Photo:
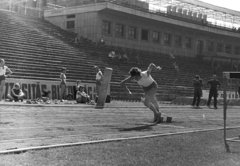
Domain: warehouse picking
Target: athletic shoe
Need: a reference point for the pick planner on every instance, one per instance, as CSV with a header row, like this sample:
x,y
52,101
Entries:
x,y
157,118
215,107
208,106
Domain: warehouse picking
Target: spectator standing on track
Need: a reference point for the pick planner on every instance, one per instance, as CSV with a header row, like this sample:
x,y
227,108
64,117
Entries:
x,y
63,84
3,70
213,92
197,84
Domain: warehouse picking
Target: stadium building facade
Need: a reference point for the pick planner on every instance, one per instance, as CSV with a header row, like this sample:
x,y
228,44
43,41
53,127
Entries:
x,y
128,27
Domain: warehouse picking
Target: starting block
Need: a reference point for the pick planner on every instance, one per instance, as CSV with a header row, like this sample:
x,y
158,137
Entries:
x,y
168,120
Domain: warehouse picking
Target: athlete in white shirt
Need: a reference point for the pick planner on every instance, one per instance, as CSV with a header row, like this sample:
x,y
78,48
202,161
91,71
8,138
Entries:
x,y
3,70
144,79
63,84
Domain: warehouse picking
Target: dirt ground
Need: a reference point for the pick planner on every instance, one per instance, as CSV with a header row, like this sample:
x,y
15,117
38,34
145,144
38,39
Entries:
x,y
23,126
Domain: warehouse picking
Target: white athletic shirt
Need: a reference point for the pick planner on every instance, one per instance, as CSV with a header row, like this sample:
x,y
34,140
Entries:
x,y
63,77
98,76
145,80
3,70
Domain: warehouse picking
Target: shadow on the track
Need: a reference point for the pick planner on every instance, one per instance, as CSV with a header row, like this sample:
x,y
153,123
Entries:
x,y
138,128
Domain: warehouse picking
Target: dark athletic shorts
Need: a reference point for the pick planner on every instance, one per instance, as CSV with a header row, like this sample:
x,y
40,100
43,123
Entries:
x,y
154,85
2,77
98,82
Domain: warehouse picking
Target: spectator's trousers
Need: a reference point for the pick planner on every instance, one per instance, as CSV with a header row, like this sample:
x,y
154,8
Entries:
x,y
212,93
197,97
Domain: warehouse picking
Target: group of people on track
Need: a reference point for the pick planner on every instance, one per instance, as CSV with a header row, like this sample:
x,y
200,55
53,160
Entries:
x,y
143,78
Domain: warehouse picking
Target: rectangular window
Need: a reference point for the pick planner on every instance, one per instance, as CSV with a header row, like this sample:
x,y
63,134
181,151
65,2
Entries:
x,y
120,30
70,24
156,37
71,16
106,27
200,46
188,42
178,41
145,34
167,39
228,48
132,33
210,46
219,47
237,50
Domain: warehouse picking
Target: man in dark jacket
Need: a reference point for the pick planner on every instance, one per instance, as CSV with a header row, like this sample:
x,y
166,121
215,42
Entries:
x,y
197,84
214,83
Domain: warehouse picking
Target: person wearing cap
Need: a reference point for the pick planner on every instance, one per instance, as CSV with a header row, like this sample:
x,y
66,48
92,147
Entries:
x,y
3,70
99,77
81,96
16,93
63,84
213,92
197,84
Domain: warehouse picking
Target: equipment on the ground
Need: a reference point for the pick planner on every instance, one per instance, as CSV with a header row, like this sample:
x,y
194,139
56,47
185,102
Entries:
x,y
104,88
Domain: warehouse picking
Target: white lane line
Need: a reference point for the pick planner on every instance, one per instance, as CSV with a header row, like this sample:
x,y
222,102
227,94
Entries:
x,y
106,140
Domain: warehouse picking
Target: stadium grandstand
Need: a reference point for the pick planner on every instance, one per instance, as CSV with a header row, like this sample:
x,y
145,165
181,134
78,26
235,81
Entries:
x,y
38,38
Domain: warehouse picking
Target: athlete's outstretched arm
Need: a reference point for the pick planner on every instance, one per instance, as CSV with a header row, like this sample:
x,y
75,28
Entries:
x,y
152,66
123,84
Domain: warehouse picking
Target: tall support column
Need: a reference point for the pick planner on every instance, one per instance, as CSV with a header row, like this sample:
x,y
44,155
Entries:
x,y
225,112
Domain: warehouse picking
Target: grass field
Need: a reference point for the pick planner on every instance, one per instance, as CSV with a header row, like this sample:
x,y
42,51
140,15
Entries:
x,y
23,127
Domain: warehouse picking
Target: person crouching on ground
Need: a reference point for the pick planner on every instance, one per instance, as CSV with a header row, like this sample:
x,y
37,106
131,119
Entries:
x,y
45,95
82,97
16,93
